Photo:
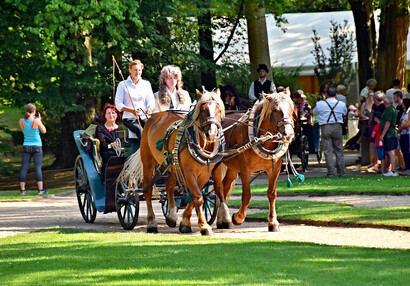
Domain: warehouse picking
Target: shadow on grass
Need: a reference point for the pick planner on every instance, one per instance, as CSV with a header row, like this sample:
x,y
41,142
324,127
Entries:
x,y
76,257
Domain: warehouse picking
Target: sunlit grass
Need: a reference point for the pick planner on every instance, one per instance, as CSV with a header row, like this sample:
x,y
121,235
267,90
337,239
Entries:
x,y
332,212
15,195
74,257
351,184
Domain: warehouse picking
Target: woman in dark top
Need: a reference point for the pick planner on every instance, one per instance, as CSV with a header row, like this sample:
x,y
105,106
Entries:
x,y
107,133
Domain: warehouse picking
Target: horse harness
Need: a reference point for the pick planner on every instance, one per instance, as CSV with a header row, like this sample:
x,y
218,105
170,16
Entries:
x,y
186,137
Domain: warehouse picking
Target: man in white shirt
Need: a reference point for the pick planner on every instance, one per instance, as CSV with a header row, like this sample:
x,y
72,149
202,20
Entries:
x,y
331,112
262,84
135,99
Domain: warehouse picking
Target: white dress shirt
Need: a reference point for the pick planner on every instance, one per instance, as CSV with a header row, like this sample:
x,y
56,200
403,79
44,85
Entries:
x,y
140,93
323,110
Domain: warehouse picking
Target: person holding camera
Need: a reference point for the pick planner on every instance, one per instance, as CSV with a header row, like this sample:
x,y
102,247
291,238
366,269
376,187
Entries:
x,y
31,125
305,115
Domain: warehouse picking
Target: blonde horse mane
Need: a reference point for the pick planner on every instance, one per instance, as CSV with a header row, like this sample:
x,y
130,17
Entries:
x,y
266,106
209,95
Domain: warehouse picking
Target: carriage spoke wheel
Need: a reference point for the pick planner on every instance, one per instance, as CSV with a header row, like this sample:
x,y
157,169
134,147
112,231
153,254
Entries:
x,y
304,156
83,191
164,204
211,203
127,204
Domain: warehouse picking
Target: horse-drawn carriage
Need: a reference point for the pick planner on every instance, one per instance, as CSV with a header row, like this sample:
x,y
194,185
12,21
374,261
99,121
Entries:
x,y
182,155
114,195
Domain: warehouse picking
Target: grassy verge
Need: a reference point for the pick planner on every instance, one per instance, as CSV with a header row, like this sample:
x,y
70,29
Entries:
x,y
15,195
332,212
68,257
351,185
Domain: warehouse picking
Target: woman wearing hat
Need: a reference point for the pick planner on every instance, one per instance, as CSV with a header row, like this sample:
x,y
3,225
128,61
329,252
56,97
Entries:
x,y
262,84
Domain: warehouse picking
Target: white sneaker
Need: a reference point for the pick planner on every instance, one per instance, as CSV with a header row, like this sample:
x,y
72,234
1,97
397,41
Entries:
x,y
390,174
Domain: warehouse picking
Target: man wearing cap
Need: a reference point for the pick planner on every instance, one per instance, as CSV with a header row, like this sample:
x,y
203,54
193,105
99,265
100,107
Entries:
x,y
331,112
389,133
341,91
262,84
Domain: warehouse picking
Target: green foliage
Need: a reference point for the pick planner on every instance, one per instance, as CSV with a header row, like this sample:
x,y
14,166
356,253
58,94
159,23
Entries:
x,y
286,77
337,67
300,6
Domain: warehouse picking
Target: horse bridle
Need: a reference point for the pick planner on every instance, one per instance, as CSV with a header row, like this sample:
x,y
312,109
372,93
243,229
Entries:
x,y
209,120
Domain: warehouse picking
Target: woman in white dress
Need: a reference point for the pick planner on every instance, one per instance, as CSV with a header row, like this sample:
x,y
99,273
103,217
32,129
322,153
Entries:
x,y
170,94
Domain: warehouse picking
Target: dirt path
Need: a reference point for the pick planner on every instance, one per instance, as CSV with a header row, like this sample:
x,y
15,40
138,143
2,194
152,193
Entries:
x,y
62,211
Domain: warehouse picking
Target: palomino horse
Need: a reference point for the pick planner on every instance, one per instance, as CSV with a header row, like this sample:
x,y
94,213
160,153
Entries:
x,y
274,114
178,146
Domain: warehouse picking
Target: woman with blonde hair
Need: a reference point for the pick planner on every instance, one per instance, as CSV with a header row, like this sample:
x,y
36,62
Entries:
x,y
170,94
31,125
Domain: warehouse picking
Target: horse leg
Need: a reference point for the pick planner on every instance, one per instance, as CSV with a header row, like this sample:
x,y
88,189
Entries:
x,y
185,225
223,220
148,169
240,215
172,215
273,224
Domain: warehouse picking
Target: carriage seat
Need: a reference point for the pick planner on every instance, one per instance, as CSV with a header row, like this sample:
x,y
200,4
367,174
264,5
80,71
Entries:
x,y
92,146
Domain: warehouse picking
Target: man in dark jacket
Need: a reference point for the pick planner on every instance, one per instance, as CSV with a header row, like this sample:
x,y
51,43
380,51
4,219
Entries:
x,y
262,84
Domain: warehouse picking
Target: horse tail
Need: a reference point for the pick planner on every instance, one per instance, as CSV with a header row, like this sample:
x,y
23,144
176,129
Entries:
x,y
132,171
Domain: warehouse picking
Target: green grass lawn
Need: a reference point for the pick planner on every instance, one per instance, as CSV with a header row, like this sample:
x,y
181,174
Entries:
x,y
75,257
9,117
333,212
15,195
351,184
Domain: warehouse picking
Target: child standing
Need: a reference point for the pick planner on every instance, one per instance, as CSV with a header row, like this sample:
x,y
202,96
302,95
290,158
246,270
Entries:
x,y
379,146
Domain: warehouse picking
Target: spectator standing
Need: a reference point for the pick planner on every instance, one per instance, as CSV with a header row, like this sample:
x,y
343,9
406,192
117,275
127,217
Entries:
x,y
170,94
31,125
370,86
262,84
389,133
331,112
352,119
135,99
377,106
398,103
341,91
305,115
379,147
404,131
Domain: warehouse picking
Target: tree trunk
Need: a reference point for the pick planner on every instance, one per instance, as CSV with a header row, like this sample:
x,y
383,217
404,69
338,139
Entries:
x,y
365,38
206,48
257,36
392,49
67,150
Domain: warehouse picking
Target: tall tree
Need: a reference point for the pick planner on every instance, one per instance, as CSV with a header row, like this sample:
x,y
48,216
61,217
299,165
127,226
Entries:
x,y
206,49
257,36
365,38
392,44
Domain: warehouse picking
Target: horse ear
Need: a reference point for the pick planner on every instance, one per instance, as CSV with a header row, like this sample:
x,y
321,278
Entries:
x,y
218,92
287,91
198,93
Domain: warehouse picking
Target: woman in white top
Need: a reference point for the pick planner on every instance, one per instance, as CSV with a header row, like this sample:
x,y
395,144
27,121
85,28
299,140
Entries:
x,y
170,94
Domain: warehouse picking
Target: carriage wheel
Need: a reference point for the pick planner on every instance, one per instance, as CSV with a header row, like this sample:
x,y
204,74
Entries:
x,y
83,191
211,203
164,204
127,204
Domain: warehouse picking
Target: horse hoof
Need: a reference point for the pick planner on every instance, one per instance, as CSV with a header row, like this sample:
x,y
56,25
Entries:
x,y
234,220
207,232
185,229
224,225
170,223
153,229
273,228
